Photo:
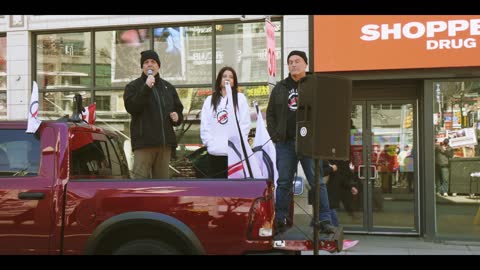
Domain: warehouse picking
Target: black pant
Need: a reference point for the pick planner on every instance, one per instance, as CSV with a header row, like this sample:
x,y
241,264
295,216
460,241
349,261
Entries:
x,y
218,166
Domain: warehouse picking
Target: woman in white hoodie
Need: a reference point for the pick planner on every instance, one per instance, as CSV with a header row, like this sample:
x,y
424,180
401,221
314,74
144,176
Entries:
x,y
215,121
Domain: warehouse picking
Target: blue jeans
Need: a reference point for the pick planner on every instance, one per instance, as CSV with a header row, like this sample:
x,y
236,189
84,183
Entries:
x,y
334,217
287,162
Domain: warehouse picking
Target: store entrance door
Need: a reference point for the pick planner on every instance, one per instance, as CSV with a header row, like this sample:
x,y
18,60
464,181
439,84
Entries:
x,y
384,159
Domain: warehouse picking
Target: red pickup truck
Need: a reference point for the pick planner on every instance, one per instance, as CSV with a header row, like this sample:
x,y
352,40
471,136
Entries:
x,y
66,190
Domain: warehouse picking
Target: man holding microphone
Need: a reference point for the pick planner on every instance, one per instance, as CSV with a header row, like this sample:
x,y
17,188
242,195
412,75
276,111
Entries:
x,y
155,108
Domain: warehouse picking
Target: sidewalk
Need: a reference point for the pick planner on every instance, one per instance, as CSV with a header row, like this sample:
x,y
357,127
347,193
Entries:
x,y
401,245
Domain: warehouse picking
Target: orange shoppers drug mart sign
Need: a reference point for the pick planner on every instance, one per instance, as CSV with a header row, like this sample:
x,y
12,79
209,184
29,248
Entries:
x,y
371,42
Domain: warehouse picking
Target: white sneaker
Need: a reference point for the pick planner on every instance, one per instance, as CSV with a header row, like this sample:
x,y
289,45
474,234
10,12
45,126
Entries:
x,y
445,194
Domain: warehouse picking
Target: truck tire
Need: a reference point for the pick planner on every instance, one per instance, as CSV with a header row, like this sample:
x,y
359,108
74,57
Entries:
x,y
145,247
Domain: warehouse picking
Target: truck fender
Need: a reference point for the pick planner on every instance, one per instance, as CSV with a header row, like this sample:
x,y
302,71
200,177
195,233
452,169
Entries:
x,y
115,223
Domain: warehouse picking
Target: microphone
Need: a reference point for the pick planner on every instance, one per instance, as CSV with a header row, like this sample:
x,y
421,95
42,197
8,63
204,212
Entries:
x,y
150,73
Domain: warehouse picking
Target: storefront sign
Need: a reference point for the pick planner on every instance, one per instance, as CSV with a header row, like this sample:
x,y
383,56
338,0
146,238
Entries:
x,y
346,43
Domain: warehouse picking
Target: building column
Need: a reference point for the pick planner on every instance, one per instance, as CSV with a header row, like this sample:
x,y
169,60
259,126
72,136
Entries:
x,y
19,86
296,37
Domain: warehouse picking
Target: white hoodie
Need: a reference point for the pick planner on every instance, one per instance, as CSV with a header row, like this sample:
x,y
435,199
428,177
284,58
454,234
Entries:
x,y
214,125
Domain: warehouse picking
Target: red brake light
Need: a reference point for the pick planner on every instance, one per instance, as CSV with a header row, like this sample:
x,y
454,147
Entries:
x,y
261,216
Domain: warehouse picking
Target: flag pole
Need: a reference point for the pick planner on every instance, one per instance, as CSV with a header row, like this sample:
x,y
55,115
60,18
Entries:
x,y
245,155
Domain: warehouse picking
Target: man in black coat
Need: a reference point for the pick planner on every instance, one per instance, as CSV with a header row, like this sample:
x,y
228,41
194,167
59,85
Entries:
x,y
155,108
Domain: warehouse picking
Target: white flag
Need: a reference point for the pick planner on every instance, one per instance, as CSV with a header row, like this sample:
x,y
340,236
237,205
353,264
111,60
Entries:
x,y
264,149
33,121
237,165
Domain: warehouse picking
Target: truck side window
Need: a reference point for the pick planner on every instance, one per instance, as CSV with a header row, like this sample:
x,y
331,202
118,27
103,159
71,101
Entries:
x,y
4,163
19,153
86,160
119,156
92,156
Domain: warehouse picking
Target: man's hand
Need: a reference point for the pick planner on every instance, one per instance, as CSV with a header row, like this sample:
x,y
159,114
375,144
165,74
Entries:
x,y
150,81
174,116
334,167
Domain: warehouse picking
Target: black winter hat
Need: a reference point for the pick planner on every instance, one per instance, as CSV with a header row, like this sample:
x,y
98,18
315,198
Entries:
x,y
302,54
149,54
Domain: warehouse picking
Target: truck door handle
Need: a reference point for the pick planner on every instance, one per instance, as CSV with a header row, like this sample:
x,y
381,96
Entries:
x,y
31,195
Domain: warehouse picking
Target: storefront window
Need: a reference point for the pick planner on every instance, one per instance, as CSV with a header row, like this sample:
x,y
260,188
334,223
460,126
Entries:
x,y
258,94
63,61
117,56
192,99
457,157
64,68
243,47
3,78
185,53
54,105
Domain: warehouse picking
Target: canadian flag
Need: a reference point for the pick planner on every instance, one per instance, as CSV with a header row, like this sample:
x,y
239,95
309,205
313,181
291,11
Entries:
x,y
33,121
88,114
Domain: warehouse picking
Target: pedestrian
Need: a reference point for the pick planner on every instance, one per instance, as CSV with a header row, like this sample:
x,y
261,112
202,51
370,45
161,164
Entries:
x,y
155,108
443,154
341,186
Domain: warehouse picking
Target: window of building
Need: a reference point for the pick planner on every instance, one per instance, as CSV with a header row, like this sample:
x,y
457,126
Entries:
x,y
243,47
117,56
63,61
457,157
3,77
185,53
190,55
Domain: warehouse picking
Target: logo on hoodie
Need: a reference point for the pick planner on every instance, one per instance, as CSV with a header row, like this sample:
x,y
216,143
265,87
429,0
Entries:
x,y
292,99
222,117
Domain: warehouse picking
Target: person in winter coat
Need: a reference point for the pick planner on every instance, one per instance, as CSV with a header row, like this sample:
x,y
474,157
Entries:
x,y
155,108
215,120
443,154
341,186
281,126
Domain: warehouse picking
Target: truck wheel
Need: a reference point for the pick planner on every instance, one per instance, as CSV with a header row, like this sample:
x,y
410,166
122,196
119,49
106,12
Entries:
x,y
145,247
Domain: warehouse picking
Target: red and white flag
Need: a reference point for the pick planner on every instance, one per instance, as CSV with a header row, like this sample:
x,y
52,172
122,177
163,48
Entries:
x,y
264,149
89,114
33,121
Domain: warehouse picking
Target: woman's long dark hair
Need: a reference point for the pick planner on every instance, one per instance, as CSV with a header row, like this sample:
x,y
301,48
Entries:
x,y
217,94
